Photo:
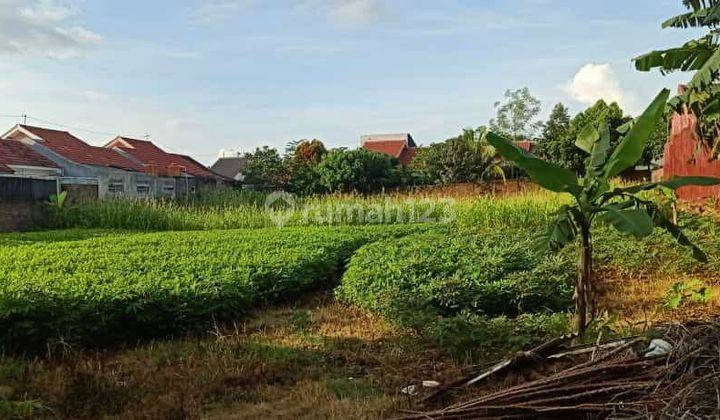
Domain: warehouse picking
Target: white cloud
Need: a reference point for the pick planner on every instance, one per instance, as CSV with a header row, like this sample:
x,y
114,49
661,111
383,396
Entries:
x,y
46,28
598,81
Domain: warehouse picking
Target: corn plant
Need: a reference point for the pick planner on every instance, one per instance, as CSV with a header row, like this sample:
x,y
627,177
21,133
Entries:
x,y
595,199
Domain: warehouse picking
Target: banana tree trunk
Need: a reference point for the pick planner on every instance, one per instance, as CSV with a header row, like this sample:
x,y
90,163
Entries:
x,y
584,294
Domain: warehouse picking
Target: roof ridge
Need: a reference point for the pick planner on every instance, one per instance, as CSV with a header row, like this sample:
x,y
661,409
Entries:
x,y
30,127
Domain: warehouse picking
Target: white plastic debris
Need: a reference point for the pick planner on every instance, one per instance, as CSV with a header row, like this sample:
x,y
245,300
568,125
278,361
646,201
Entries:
x,y
431,384
658,347
409,390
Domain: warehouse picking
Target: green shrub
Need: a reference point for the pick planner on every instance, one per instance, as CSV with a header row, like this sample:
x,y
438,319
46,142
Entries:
x,y
487,275
357,170
470,294
469,335
106,289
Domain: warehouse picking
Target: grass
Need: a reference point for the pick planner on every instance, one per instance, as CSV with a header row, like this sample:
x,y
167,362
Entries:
x,y
342,363
237,210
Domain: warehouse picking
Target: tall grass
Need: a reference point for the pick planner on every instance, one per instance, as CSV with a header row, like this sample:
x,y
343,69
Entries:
x,y
242,209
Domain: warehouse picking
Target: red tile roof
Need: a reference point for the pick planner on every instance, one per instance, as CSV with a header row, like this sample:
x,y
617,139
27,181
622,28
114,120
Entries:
x,y
525,145
17,153
392,148
71,147
5,169
395,148
158,161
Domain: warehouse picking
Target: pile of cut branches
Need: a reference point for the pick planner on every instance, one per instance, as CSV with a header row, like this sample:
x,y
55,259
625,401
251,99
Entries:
x,y
620,382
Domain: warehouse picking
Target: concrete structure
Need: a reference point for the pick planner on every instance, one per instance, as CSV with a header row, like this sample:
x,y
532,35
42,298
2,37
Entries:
x,y
178,174
400,146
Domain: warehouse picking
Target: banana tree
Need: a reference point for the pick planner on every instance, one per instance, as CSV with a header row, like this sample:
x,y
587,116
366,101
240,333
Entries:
x,y
700,55
595,199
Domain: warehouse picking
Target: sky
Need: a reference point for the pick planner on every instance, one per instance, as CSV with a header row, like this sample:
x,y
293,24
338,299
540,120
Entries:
x,y
201,77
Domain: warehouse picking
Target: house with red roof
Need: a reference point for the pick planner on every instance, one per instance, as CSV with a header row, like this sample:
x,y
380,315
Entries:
x,y
84,169
18,159
185,173
400,146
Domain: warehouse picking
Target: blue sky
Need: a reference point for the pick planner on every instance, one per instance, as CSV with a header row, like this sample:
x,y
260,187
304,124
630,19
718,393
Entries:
x,y
200,76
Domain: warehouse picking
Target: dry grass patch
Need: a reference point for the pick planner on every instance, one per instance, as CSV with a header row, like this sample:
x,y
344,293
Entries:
x,y
642,300
317,359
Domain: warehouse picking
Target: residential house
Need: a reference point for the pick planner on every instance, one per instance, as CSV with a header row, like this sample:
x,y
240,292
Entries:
x,y
177,174
26,178
400,146
527,146
85,170
230,167
18,159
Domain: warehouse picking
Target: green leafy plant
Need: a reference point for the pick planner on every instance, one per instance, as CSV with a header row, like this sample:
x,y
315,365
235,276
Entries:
x,y
687,291
58,201
595,199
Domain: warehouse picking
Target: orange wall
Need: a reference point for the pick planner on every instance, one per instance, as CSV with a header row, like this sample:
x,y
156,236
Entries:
x,y
682,158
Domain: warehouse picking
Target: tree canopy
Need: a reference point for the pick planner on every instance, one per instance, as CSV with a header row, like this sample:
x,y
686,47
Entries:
x,y
465,158
557,143
516,116
357,170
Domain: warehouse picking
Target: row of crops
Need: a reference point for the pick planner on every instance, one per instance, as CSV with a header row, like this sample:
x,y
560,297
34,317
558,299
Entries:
x,y
101,287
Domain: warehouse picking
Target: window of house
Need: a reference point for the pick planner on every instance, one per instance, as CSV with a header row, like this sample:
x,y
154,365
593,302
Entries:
x,y
143,187
116,186
169,187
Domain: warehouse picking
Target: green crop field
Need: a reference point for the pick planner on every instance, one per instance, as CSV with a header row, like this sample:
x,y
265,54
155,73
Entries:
x,y
100,287
188,287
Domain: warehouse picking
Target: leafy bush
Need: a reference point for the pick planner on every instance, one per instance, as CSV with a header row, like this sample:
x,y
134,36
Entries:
x,y
105,289
470,335
465,158
485,275
357,171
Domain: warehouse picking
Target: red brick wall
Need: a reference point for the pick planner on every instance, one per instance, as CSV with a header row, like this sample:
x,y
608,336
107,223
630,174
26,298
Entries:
x,y
682,158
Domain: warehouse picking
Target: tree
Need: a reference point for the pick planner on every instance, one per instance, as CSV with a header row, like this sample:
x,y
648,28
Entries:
x,y
554,132
309,152
301,166
264,169
558,146
656,143
702,55
515,117
594,198
465,158
357,171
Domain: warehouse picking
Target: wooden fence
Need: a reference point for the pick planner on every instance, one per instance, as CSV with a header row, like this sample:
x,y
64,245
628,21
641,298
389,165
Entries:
x,y
16,189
